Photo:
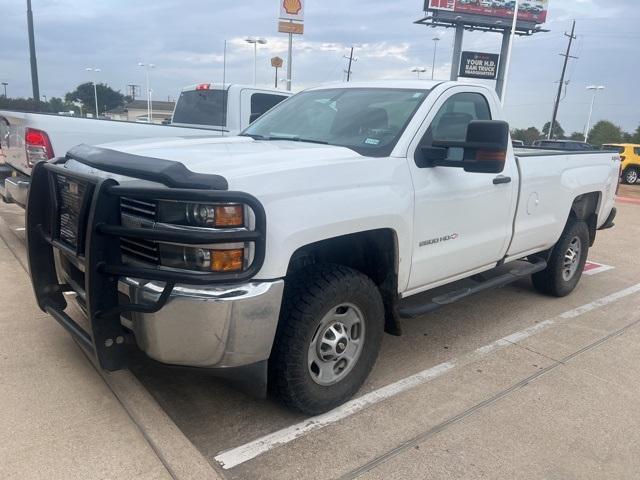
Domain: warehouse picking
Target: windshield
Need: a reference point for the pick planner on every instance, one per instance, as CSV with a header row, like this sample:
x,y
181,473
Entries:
x,y
367,120
202,107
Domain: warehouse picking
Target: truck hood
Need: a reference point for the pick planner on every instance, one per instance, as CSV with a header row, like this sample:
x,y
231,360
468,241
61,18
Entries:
x,y
242,160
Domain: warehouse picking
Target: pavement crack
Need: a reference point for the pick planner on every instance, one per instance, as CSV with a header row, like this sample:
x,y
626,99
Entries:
x,y
536,352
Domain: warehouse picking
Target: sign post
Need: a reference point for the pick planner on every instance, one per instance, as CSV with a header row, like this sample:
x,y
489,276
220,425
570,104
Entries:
x,y
292,23
277,62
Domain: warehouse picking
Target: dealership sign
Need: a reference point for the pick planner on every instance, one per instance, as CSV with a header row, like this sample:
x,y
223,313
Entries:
x,y
529,11
292,10
479,65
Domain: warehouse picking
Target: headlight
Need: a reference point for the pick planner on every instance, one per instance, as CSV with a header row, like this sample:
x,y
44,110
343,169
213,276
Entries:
x,y
220,259
202,215
232,257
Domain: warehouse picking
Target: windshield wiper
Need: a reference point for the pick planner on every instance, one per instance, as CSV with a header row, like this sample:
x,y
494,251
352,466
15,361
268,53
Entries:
x,y
255,137
295,139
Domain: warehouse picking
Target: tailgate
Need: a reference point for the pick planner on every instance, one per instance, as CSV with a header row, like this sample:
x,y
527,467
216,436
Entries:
x,y
12,141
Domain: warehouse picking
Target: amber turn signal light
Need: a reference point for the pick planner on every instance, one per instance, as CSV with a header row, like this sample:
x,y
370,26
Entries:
x,y
227,260
229,216
491,155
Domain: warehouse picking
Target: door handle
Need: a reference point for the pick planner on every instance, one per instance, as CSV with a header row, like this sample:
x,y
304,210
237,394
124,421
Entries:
x,y
501,180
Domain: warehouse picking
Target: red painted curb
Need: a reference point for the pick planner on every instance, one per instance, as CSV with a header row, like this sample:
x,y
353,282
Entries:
x,y
633,201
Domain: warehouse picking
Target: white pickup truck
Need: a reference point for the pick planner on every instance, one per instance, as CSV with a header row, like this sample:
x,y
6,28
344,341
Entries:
x,y
203,110
283,254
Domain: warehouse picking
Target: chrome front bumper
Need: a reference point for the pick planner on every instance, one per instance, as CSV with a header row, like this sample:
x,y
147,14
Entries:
x,y
208,327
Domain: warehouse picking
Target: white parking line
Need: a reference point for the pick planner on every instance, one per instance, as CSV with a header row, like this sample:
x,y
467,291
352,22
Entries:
x,y
19,229
239,455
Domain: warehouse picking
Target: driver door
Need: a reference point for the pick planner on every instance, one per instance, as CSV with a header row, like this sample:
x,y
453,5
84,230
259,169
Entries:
x,y
462,220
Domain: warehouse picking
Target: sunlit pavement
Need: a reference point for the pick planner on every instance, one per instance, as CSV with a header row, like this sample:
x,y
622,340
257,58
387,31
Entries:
x,y
507,384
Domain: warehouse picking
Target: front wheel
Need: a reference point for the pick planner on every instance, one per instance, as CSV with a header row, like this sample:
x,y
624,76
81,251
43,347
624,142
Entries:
x,y
566,263
328,339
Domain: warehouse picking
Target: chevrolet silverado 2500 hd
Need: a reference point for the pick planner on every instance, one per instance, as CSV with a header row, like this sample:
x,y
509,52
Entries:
x,y
287,251
202,110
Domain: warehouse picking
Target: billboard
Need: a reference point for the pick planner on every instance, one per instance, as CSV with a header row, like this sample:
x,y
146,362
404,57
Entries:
x,y
534,11
479,65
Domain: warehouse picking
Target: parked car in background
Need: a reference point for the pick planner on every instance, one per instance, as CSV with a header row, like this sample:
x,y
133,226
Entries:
x,y
202,110
517,143
229,108
630,155
568,145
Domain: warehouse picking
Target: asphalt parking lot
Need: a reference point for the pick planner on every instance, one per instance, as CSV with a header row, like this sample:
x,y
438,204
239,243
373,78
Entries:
x,y
507,384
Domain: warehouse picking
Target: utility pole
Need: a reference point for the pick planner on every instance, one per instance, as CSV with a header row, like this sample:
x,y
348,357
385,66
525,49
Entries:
x,y
133,89
566,56
351,60
32,54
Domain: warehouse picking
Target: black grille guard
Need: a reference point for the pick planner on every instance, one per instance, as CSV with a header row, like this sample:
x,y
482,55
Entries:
x,y
98,248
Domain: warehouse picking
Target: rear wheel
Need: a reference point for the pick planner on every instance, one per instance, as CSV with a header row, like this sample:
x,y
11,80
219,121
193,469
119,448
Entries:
x,y
630,175
566,263
328,338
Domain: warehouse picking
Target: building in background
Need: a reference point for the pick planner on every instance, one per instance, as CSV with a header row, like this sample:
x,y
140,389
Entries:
x,y
136,111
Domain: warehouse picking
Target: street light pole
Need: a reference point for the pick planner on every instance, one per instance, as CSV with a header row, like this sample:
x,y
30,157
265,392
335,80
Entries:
x,y
148,66
95,88
435,49
418,70
4,84
595,89
255,42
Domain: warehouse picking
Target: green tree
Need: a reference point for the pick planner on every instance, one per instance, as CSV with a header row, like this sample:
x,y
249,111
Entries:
x,y
21,104
108,98
635,138
577,136
605,132
558,131
527,135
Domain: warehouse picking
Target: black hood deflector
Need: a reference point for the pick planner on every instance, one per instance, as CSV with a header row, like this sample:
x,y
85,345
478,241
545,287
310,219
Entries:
x,y
170,173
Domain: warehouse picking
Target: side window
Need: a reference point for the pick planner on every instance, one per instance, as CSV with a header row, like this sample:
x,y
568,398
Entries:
x,y
636,150
263,102
452,120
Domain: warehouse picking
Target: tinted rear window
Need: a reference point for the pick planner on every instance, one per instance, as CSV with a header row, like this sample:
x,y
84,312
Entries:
x,y
614,148
202,107
263,102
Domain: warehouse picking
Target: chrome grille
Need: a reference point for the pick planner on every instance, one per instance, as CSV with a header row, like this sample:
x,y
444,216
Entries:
x,y
70,197
138,213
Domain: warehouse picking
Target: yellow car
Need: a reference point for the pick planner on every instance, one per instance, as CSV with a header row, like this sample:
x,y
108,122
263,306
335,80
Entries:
x,y
630,155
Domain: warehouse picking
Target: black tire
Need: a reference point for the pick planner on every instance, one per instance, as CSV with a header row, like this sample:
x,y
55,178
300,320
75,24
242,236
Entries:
x,y
309,296
553,280
630,176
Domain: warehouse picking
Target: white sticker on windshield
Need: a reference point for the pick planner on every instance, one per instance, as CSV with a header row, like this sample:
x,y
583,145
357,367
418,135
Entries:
x,y
372,141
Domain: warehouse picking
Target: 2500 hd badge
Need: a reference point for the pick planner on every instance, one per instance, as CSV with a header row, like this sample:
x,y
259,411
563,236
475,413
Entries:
x,y
433,241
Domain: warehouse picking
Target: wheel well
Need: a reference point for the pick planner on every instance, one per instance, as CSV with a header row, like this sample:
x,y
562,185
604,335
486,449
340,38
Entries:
x,y
585,208
373,253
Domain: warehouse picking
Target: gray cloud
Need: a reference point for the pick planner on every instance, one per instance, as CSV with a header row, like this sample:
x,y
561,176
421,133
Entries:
x,y
185,40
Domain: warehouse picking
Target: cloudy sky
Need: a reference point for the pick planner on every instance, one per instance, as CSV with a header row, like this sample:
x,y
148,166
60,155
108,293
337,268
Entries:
x,y
185,38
